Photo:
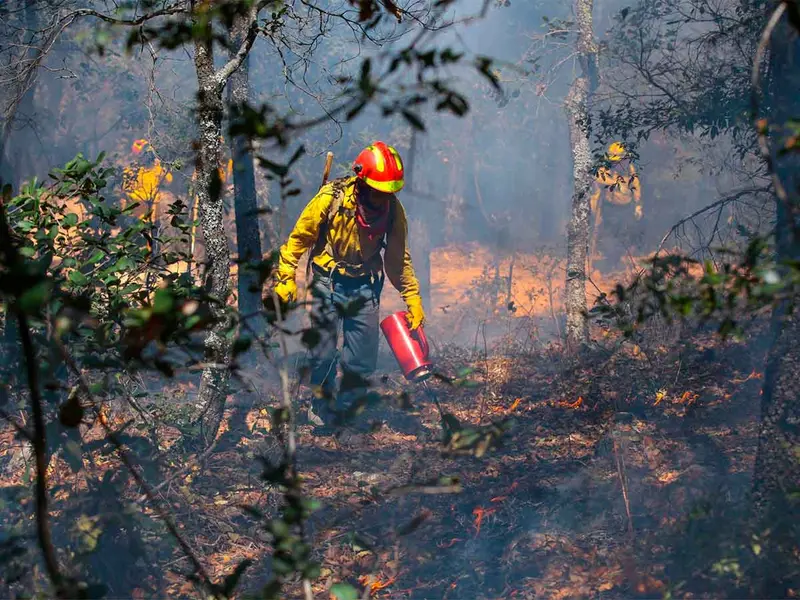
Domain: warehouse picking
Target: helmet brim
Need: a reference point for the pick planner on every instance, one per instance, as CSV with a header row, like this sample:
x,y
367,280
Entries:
x,y
388,187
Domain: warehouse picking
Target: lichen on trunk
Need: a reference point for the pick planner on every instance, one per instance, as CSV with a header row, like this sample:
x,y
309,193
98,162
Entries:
x,y
577,328
576,106
216,374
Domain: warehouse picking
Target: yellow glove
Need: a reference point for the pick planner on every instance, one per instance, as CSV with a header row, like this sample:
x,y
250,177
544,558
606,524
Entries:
x,y
286,290
415,315
638,212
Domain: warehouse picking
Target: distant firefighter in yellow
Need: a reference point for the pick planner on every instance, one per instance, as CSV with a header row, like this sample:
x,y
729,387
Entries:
x,y
146,181
614,190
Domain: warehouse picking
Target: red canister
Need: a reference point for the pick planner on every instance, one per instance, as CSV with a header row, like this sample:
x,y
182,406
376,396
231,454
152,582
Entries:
x,y
410,348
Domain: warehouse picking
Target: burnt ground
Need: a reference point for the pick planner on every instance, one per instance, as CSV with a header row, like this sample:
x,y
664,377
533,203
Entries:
x,y
626,474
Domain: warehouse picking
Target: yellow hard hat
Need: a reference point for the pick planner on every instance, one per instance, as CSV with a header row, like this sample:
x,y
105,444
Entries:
x,y
616,152
139,146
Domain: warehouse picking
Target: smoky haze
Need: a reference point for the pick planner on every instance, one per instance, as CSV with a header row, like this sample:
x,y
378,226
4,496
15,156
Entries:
x,y
527,468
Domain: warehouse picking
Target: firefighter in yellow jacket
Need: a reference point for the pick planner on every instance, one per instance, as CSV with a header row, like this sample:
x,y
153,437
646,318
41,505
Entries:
x,y
145,183
615,189
345,227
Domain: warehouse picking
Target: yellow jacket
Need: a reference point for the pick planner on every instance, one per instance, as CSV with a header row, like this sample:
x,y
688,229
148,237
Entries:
x,y
626,187
349,244
143,185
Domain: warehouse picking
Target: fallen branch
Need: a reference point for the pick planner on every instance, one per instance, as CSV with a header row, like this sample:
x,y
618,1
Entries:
x,y
19,428
624,485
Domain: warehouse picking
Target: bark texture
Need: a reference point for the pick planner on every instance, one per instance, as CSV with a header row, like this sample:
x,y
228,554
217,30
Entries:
x,y
245,200
777,469
577,109
214,380
421,255
213,388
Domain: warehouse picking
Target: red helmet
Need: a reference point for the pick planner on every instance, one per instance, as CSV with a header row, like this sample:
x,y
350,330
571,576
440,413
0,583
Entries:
x,y
380,167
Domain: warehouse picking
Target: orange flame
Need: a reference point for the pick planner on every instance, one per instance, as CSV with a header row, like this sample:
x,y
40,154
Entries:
x,y
505,496
374,584
479,513
754,375
572,405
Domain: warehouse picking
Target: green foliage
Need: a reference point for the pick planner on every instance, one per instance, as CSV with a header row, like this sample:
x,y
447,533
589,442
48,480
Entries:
x,y
679,287
344,591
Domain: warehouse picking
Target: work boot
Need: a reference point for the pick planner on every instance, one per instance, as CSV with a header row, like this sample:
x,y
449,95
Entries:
x,y
322,417
314,418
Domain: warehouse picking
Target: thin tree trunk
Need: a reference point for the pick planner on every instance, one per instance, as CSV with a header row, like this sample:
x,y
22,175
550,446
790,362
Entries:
x,y
420,238
421,255
577,109
216,375
245,201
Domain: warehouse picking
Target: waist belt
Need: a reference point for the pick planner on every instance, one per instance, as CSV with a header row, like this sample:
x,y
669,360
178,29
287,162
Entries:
x,y
334,272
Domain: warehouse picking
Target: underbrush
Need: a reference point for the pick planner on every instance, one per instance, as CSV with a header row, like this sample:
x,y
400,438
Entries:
x,y
625,474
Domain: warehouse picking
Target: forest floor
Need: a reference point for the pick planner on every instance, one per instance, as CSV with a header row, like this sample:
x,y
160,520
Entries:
x,y
623,476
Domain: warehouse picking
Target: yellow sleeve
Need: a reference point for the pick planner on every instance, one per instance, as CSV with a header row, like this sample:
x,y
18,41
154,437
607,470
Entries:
x,y
304,234
397,258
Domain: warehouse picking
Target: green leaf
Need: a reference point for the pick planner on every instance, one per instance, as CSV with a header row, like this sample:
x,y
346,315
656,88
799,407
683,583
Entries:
x,y
33,298
78,278
163,301
96,257
123,264
70,220
73,455
344,591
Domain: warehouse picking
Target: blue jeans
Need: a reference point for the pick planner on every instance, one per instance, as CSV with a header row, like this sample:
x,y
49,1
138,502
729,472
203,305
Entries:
x,y
354,306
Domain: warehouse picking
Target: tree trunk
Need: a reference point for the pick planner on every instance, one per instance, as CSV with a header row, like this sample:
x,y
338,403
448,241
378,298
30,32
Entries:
x,y
245,200
216,375
420,243
419,233
577,109
777,468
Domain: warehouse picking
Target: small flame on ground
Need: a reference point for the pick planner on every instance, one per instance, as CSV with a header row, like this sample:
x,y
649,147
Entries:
x,y
754,375
572,405
479,513
374,584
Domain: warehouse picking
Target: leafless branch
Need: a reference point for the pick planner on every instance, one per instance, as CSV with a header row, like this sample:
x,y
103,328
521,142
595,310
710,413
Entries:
x,y
713,206
222,75
173,9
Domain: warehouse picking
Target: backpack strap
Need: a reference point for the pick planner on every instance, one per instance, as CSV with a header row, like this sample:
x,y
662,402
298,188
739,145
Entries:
x,y
337,191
